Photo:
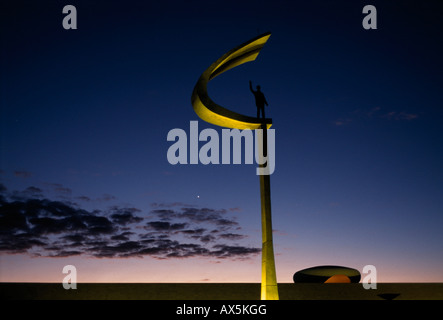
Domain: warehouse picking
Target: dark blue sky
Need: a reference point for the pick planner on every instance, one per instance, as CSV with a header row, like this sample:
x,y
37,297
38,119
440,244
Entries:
x,y
357,115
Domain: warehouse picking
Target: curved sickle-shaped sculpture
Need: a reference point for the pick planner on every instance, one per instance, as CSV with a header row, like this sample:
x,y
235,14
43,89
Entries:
x,y
213,113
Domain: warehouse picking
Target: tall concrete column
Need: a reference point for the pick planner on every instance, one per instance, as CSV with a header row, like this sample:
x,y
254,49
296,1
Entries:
x,y
269,289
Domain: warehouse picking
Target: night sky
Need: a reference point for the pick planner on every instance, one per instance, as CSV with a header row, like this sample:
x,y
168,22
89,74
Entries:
x,y
85,115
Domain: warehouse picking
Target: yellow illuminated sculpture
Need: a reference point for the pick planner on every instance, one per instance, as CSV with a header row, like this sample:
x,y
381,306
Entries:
x,y
213,113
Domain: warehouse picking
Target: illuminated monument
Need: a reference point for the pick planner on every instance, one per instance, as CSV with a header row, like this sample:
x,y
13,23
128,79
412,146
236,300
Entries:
x,y
213,113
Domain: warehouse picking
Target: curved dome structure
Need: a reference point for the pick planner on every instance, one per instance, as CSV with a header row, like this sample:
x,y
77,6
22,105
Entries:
x,y
327,274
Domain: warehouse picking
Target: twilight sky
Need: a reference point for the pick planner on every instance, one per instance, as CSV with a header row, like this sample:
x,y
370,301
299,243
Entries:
x,y
85,114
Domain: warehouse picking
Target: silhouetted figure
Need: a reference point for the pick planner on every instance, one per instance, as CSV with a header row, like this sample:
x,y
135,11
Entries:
x,y
260,100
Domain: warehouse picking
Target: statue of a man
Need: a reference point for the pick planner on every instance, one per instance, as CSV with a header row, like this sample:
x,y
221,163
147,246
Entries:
x,y
260,100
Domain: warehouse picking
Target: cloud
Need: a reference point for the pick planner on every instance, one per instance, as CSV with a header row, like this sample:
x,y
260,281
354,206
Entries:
x,y
62,190
196,215
205,215
22,174
83,198
59,189
169,204
98,225
33,191
232,236
399,116
205,238
123,236
38,226
166,226
373,110
375,113
199,231
75,239
224,251
124,216
342,122
107,197
65,253
30,192
164,214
